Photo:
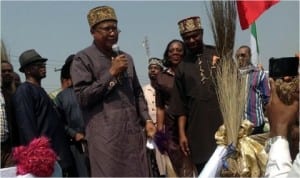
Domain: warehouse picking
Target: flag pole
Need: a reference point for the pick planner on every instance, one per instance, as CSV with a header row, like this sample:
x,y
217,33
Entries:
x,y
145,44
254,45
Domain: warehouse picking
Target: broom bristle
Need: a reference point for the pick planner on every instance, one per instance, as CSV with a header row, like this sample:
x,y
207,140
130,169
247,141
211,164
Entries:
x,y
222,17
230,88
232,97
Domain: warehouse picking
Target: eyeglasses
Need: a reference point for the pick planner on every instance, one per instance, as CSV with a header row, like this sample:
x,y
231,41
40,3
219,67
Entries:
x,y
109,29
40,65
241,55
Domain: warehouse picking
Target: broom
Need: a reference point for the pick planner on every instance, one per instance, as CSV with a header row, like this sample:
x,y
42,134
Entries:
x,y
231,93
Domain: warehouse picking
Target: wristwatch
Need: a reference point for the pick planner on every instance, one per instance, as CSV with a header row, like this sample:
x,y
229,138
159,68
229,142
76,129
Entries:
x,y
271,141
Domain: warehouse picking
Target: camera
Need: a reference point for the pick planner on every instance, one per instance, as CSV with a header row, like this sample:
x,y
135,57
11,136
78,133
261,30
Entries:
x,y
284,72
281,67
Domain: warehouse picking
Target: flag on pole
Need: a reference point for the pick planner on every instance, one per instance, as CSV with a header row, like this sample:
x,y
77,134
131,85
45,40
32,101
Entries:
x,y
254,45
249,10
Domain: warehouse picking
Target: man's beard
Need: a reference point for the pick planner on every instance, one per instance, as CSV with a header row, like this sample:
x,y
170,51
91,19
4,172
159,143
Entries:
x,y
152,77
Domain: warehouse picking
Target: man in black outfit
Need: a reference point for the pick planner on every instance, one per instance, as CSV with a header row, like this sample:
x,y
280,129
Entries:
x,y
35,112
194,100
72,116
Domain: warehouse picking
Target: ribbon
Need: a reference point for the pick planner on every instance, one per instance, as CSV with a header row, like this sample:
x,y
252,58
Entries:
x,y
247,159
230,151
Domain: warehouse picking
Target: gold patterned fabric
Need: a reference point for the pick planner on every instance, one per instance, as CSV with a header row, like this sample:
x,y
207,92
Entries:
x,y
203,77
100,14
189,24
247,159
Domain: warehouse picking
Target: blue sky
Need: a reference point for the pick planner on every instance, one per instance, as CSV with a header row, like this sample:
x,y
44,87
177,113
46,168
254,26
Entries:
x,y
57,29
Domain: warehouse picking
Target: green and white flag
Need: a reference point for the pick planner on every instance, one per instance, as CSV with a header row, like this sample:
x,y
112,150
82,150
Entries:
x,y
254,45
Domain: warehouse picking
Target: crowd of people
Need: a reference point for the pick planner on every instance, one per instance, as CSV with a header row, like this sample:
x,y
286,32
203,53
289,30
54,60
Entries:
x,y
102,120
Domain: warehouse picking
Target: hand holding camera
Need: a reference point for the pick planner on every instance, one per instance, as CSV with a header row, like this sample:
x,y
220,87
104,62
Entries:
x,y
284,71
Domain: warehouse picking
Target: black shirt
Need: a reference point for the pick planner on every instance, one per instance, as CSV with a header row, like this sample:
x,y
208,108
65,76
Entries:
x,y
194,96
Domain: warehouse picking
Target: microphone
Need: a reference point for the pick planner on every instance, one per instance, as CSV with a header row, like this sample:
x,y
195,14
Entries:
x,y
116,50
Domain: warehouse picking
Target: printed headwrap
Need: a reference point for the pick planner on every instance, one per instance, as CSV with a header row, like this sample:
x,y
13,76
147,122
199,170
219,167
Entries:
x,y
155,61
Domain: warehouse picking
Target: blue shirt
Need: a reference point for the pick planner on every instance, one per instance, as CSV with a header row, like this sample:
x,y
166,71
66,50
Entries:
x,y
258,94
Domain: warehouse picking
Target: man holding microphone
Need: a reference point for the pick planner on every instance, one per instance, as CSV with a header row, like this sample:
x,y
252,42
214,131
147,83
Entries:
x,y
112,102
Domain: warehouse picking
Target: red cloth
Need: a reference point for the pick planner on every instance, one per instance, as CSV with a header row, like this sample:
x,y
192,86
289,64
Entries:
x,y
249,11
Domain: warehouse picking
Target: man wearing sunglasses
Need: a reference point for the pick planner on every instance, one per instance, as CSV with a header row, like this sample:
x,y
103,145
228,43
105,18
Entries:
x,y
258,92
194,101
35,113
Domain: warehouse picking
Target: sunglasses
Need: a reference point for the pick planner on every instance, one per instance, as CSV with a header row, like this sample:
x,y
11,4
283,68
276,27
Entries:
x,y
241,55
39,64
